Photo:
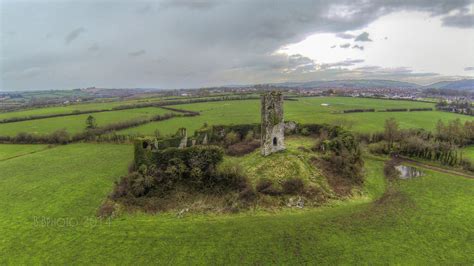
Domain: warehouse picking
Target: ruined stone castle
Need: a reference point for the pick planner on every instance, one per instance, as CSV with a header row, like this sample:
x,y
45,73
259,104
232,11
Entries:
x,y
272,131
273,126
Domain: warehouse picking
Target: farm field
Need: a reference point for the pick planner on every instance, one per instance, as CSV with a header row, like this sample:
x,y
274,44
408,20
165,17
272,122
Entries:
x,y
60,109
305,110
106,105
67,109
76,123
469,152
49,200
8,151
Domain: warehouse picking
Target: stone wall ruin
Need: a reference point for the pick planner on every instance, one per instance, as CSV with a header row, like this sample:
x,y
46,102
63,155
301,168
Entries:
x,y
273,126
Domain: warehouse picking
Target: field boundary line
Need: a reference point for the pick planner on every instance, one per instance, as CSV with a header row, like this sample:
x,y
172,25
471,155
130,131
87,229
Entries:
x,y
28,153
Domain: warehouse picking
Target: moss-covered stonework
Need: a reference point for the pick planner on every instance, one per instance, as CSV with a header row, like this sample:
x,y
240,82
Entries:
x,y
273,126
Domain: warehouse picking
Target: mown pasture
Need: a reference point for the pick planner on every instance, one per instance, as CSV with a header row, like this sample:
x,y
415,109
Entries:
x,y
91,106
304,110
49,200
77,123
66,109
8,151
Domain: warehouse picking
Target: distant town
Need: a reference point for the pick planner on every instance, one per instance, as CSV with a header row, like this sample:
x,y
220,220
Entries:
x,y
448,94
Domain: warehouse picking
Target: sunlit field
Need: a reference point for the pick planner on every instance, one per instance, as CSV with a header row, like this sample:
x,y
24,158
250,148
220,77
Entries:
x,y
304,110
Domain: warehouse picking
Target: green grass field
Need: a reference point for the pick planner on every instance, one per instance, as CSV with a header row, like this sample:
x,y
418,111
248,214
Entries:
x,y
305,110
8,151
60,109
49,200
76,123
97,105
469,153
67,109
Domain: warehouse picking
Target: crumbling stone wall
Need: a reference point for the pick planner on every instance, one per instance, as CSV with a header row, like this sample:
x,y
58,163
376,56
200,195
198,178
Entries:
x,y
273,126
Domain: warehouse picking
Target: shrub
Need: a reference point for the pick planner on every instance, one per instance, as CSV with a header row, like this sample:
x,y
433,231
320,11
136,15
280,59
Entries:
x,y
305,131
346,165
247,195
314,192
379,148
396,110
229,177
389,170
231,138
59,136
293,186
107,209
140,184
358,110
265,186
249,137
242,148
467,165
121,188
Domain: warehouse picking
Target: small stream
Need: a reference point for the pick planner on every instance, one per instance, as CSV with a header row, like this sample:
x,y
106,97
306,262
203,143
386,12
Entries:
x,y
407,172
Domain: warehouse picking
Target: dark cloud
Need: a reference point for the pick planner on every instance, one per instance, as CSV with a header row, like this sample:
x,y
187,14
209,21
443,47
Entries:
x,y
73,35
459,21
345,46
333,46
360,47
363,37
205,42
137,53
469,69
343,35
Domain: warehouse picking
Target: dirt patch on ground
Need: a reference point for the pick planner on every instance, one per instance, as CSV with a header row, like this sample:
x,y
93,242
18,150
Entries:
x,y
242,148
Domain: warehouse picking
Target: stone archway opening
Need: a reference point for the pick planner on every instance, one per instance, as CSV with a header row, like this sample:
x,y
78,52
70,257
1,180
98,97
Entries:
x,y
275,141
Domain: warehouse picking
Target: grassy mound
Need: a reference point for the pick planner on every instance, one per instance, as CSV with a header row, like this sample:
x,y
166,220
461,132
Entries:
x,y
294,162
290,178
298,161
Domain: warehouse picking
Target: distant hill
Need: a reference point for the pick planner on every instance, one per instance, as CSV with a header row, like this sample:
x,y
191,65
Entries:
x,y
364,83
464,84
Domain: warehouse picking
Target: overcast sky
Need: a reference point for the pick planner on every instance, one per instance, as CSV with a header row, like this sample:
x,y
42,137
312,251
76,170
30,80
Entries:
x,y
179,44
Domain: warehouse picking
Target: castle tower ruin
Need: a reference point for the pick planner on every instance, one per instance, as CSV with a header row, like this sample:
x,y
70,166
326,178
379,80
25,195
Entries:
x,y
273,127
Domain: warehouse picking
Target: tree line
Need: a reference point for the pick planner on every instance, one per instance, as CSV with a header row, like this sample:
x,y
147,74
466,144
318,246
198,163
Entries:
x,y
92,132
443,144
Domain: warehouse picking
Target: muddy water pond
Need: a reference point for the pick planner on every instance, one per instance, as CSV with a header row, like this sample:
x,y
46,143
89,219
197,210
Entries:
x,y
407,172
